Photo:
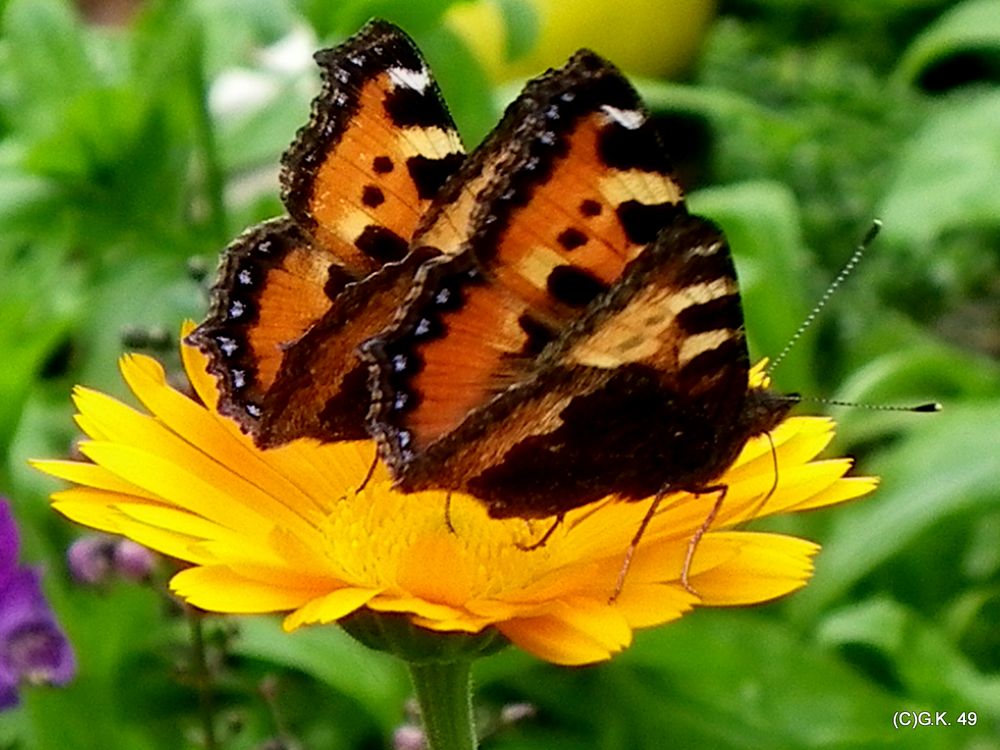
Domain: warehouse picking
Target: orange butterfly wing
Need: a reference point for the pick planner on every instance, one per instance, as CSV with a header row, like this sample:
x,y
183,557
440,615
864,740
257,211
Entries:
x,y
356,182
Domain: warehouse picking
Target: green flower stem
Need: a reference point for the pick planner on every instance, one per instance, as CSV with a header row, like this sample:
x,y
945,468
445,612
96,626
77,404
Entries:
x,y
202,678
439,665
444,692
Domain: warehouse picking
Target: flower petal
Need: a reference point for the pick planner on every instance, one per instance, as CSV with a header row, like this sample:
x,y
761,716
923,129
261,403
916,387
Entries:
x,y
647,604
91,475
761,567
218,588
573,632
329,608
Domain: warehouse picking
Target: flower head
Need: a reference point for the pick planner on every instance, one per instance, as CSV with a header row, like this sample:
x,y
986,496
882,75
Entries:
x,y
289,530
33,648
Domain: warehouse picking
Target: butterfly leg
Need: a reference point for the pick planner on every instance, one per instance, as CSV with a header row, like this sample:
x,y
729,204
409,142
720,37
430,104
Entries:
x,y
774,484
545,537
447,514
370,473
627,562
693,542
368,476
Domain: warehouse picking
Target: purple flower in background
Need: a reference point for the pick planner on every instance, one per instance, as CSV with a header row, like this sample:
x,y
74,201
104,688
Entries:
x,y
33,648
90,558
95,559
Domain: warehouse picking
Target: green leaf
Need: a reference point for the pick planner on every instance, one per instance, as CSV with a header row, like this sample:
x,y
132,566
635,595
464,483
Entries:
x,y
90,709
947,175
908,373
719,679
522,27
47,58
466,87
36,305
971,27
349,16
924,656
741,680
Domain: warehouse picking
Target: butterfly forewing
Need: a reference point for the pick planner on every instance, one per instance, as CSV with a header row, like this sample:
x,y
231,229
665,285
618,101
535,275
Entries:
x,y
580,187
378,147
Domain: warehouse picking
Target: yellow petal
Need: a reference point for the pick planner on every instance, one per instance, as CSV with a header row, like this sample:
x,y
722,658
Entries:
x,y
646,604
196,367
217,588
580,633
91,475
762,567
329,608
847,488
188,480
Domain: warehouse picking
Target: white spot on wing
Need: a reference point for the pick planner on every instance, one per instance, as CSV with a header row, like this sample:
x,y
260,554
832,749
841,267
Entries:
x,y
418,80
627,118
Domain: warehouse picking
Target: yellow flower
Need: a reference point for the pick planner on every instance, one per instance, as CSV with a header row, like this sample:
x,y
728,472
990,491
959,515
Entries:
x,y
285,530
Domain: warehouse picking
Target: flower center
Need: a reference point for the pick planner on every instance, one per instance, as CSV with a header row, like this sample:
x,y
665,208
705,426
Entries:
x,y
435,548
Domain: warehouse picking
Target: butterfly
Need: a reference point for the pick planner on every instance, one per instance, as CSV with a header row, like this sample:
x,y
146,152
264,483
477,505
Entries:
x,y
539,324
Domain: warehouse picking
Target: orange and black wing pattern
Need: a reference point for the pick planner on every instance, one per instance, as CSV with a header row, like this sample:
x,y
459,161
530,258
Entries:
x,y
588,340
356,183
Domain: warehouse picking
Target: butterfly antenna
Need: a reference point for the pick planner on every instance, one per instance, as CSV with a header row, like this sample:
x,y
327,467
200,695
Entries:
x,y
846,271
929,407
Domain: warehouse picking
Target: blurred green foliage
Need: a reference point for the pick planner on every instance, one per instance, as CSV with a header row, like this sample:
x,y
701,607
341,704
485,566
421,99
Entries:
x,y
126,151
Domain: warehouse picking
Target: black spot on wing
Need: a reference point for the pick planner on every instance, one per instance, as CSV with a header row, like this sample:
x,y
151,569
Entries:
x,y
538,335
643,221
429,174
589,207
574,286
572,238
372,196
409,108
720,313
336,279
632,148
382,165
707,365
380,244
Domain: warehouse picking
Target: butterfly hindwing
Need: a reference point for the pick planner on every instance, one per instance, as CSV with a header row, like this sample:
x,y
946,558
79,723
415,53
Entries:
x,y
323,388
356,182
272,286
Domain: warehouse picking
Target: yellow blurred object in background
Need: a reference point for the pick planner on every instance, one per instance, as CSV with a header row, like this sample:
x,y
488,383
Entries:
x,y
644,37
